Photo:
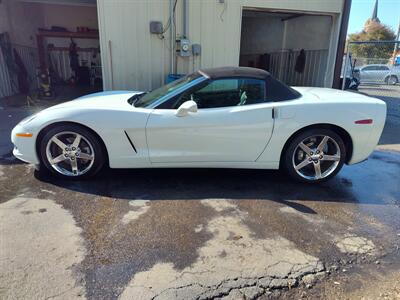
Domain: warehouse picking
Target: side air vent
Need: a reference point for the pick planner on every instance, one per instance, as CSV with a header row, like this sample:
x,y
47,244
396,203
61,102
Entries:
x,y
130,142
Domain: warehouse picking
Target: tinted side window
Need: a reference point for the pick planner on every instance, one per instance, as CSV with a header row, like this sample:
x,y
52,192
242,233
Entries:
x,y
370,68
278,91
222,93
254,91
220,86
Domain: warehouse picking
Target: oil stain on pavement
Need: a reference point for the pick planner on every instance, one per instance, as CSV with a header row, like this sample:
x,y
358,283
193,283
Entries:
x,y
193,234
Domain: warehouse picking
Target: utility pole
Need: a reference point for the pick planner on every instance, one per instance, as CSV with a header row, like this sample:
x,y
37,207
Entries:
x,y
396,45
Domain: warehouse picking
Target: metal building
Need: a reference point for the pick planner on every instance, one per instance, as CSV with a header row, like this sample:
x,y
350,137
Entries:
x,y
136,44
195,34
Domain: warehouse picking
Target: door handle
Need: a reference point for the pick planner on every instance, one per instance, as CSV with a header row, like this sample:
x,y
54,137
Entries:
x,y
274,113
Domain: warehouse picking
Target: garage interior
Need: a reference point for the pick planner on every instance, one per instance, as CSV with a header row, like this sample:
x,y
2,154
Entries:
x,y
49,50
293,47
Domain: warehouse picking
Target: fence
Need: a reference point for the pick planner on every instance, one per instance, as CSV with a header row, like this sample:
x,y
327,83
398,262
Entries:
x,y
282,66
373,65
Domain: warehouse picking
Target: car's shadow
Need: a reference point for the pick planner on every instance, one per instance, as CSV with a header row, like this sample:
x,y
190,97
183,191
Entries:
x,y
9,159
192,184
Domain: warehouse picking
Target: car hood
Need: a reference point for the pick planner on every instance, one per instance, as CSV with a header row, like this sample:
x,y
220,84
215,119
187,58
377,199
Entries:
x,y
102,100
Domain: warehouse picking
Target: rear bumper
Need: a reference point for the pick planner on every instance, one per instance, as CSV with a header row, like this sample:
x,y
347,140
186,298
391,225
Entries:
x,y
368,139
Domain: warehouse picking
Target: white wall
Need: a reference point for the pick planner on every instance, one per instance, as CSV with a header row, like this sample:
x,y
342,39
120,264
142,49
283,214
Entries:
x,y
268,34
271,33
261,35
308,32
4,20
139,60
21,21
70,17
132,58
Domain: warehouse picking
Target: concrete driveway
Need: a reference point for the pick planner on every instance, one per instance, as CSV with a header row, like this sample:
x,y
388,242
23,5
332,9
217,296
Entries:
x,y
201,234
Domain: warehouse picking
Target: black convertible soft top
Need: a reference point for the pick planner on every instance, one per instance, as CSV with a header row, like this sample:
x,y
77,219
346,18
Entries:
x,y
223,72
276,90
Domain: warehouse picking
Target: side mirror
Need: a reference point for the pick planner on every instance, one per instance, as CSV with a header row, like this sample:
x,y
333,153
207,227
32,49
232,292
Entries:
x,y
186,108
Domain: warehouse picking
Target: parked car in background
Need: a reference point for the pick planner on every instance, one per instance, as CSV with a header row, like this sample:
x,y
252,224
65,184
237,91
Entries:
x,y
378,73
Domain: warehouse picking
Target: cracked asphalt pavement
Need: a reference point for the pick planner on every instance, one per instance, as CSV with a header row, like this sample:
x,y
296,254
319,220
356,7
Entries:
x,y
200,234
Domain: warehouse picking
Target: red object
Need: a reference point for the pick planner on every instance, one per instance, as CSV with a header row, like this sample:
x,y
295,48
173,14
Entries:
x,y
366,121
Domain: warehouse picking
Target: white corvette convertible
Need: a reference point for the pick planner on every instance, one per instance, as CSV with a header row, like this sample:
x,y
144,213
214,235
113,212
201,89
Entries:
x,y
229,117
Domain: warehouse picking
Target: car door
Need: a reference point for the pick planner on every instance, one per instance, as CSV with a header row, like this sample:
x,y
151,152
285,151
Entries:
x,y
233,123
376,73
368,74
383,73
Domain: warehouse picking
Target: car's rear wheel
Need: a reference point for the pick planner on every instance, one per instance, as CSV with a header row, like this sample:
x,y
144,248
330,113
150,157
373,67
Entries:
x,y
392,80
71,151
314,155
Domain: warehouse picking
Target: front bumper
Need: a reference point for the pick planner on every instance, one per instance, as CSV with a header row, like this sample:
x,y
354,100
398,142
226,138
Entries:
x,y
24,147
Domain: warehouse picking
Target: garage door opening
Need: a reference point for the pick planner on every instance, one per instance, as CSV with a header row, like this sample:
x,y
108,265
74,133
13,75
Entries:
x,y
49,51
293,47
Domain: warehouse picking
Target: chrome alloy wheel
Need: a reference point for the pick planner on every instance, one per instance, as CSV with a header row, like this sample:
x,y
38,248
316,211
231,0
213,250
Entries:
x,y
316,157
70,153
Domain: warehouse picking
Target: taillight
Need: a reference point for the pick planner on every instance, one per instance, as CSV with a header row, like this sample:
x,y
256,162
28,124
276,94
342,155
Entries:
x,y
366,121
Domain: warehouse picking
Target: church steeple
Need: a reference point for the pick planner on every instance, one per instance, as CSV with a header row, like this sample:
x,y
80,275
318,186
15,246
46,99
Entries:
x,y
371,22
374,16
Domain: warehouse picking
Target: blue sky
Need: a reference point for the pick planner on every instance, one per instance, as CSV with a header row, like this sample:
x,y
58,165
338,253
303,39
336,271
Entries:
x,y
361,10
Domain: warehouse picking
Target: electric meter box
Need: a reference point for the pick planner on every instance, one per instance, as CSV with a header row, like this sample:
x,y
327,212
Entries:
x,y
184,47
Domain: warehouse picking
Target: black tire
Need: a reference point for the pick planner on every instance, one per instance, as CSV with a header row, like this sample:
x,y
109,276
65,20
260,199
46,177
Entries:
x,y
289,154
396,80
98,151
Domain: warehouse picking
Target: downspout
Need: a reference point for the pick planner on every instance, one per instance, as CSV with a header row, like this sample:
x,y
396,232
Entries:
x,y
341,44
185,23
185,19
172,37
396,45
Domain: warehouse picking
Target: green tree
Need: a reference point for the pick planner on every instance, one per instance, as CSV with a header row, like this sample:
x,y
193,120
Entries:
x,y
373,31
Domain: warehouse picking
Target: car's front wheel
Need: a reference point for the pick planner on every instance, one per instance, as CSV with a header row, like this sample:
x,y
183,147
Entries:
x,y
314,155
71,151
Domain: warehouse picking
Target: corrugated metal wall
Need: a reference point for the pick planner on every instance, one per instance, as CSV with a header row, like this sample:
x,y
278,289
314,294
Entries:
x,y
283,67
30,58
8,81
131,56
60,61
135,59
7,87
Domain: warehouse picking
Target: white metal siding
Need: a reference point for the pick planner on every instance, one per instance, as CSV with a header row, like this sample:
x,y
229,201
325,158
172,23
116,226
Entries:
x,y
141,60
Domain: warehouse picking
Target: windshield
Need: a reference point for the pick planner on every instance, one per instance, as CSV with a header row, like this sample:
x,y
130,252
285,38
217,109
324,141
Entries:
x,y
148,99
